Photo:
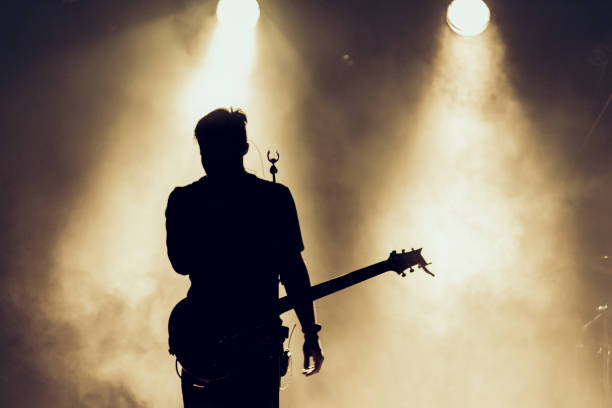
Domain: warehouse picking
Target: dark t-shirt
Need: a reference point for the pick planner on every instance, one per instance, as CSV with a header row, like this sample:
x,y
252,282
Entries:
x,y
232,239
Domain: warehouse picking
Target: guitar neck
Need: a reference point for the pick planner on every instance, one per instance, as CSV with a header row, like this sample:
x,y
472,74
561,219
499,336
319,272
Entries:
x,y
338,284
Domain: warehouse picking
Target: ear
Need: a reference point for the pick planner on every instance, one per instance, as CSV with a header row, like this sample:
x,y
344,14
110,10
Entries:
x,y
245,149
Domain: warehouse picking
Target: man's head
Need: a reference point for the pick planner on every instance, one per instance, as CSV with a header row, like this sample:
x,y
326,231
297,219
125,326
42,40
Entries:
x,y
222,138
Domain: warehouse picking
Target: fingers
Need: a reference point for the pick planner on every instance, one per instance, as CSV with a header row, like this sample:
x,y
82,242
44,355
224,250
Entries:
x,y
317,357
318,362
307,369
307,357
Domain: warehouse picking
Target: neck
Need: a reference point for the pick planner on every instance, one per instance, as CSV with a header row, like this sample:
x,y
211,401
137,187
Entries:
x,y
228,175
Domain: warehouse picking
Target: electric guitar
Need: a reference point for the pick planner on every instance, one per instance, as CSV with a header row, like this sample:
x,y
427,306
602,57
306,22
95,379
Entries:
x,y
211,357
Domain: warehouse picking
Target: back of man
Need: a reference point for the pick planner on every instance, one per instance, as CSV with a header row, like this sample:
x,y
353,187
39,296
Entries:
x,y
235,235
230,238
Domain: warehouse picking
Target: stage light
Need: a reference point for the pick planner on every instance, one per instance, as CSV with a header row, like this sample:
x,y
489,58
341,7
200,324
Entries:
x,y
468,17
238,14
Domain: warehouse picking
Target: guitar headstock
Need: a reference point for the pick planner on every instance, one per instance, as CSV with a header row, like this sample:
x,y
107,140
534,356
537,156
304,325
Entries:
x,y
399,262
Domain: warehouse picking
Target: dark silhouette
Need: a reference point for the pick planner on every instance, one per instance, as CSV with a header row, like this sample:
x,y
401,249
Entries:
x,y
235,235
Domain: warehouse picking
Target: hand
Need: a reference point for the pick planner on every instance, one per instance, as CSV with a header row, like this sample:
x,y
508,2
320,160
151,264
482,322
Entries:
x,y
312,350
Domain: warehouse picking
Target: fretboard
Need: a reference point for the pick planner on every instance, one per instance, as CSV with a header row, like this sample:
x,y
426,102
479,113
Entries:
x,y
338,284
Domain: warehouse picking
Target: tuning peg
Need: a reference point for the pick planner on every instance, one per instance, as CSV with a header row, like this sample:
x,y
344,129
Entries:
x,y
411,270
403,274
403,251
394,252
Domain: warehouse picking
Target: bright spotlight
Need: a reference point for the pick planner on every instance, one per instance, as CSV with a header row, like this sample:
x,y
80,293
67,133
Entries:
x,y
468,17
238,14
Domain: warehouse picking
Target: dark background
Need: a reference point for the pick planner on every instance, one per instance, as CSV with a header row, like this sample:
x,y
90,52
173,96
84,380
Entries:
x,y
558,55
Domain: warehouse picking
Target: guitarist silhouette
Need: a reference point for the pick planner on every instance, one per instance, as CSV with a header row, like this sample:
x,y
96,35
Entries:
x,y
235,235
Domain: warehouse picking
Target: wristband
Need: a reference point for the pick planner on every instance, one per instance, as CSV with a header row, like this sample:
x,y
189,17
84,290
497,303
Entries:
x,y
311,331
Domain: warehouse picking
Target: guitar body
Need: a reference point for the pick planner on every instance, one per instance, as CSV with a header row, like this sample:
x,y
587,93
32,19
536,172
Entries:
x,y
199,349
213,353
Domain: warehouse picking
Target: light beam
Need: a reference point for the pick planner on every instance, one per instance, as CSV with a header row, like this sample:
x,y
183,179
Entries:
x,y
473,190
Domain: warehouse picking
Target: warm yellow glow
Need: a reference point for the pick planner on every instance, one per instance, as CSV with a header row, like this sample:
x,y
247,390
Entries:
x,y
471,191
111,259
223,75
468,17
224,78
238,14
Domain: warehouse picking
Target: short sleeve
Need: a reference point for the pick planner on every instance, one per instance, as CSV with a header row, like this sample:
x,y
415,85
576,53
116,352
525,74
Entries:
x,y
291,237
175,232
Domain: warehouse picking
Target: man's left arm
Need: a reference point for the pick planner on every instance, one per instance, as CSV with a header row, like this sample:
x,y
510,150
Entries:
x,y
294,276
297,285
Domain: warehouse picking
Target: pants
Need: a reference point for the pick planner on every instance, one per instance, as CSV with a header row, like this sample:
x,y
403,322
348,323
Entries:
x,y
255,385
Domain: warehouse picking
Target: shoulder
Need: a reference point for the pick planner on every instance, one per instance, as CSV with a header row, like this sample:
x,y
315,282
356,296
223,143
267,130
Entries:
x,y
192,188
278,195
268,186
181,194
